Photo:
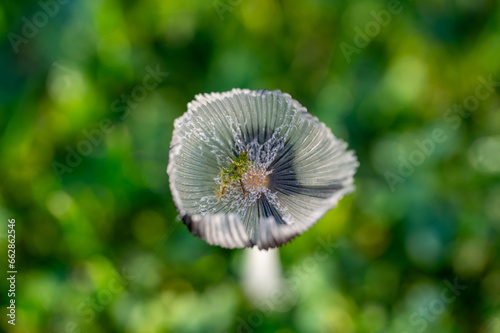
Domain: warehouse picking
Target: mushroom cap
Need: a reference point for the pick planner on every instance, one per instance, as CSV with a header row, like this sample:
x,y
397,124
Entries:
x,y
299,169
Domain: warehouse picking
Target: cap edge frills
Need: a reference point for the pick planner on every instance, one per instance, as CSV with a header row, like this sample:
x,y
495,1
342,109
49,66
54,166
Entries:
x,y
204,98
175,148
297,229
223,230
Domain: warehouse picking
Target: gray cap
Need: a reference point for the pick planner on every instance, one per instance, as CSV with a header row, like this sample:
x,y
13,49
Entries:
x,y
296,171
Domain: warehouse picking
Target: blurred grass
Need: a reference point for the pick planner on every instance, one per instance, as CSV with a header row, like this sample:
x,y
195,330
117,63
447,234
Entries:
x,y
102,251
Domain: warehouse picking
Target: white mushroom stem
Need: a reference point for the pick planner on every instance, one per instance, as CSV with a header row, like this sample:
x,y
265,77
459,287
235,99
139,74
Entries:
x,y
262,274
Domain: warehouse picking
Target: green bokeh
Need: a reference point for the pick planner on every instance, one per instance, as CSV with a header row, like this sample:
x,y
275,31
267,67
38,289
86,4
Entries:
x,y
99,247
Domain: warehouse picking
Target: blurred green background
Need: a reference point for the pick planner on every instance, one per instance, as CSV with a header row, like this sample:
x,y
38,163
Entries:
x,y
85,129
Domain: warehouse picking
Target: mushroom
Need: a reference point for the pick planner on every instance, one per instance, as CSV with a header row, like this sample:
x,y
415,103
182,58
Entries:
x,y
254,168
